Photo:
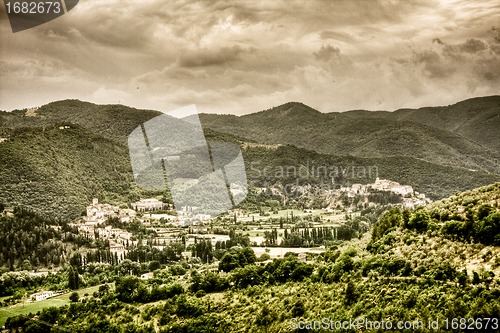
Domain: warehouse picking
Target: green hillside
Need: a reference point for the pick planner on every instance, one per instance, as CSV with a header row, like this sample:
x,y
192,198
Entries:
x,y
470,215
435,181
58,171
299,125
111,121
477,118
463,135
406,273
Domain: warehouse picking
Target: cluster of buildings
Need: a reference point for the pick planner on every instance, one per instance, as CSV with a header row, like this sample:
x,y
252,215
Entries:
x,y
380,185
41,295
90,229
411,198
99,213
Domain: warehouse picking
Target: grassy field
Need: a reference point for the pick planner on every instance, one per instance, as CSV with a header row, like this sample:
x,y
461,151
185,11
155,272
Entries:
x,y
27,308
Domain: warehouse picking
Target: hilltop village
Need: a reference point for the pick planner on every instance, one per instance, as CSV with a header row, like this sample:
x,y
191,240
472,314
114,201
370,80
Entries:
x,y
162,220
411,198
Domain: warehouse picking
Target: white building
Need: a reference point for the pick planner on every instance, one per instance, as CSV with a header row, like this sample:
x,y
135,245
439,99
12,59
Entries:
x,y
148,204
40,296
203,217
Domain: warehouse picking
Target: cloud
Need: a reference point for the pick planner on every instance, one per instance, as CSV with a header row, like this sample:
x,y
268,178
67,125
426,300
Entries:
x,y
471,46
495,33
340,36
327,52
204,57
243,56
432,64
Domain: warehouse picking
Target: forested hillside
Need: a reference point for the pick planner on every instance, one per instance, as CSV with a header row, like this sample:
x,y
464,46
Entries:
x,y
114,122
340,134
57,171
464,134
477,118
407,273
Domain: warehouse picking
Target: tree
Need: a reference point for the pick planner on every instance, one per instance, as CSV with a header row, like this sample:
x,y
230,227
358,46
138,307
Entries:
x,y
350,293
482,212
2,207
26,265
103,289
154,265
237,257
129,289
390,219
73,278
298,308
74,297
264,257
246,276
420,219
406,217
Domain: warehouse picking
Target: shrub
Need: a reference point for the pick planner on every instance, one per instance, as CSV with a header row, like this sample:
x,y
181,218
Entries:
x,y
74,297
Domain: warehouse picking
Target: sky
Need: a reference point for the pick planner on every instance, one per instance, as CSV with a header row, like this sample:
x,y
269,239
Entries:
x,y
239,57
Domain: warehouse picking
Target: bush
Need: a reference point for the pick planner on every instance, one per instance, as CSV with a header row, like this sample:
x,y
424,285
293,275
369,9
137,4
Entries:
x,y
235,258
264,257
298,309
74,297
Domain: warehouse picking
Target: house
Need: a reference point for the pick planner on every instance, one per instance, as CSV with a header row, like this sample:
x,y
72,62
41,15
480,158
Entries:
x,y
188,208
203,217
147,276
40,296
116,247
148,204
127,215
100,212
165,217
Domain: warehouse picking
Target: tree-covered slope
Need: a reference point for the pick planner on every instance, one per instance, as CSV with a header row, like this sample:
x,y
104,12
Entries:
x,y
111,121
363,135
58,171
477,118
464,134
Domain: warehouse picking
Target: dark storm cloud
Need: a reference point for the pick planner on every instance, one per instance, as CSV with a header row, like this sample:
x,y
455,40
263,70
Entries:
x,y
495,33
432,64
474,61
206,57
327,52
471,45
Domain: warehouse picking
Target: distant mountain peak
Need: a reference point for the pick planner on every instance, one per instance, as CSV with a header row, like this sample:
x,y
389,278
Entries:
x,y
296,110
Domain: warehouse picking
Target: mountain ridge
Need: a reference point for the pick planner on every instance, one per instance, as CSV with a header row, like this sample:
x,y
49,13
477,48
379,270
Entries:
x,y
70,166
376,135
